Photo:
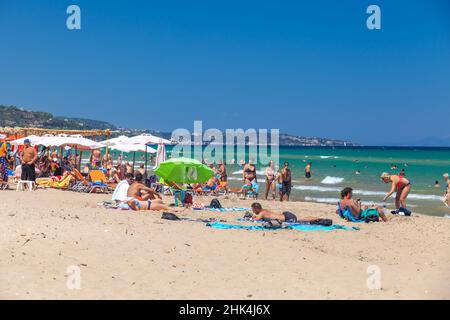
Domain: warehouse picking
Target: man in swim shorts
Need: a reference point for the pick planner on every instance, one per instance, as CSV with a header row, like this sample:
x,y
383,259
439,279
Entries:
x,y
286,182
286,216
29,157
308,170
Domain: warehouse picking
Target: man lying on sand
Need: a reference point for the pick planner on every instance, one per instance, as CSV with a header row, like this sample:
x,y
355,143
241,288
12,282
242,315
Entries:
x,y
286,216
140,191
356,208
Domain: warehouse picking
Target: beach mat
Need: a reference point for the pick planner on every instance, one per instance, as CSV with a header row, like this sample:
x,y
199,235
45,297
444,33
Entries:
x,y
302,227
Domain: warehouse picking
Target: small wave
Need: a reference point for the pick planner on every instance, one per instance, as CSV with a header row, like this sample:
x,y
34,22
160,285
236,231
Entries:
x,y
424,197
322,200
416,196
332,180
258,172
317,188
328,157
369,193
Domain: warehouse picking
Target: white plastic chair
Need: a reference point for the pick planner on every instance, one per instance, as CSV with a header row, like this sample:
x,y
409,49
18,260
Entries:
x,y
25,183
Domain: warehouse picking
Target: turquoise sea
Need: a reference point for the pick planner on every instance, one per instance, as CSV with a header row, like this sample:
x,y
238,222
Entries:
x,y
335,167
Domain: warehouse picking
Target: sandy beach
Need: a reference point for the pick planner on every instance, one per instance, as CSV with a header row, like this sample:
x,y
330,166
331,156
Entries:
x,y
137,255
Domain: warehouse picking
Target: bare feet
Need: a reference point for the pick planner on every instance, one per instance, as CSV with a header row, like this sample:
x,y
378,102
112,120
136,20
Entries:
x,y
133,205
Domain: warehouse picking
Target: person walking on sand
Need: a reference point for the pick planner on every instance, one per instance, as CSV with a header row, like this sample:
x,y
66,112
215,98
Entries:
x,y
270,180
401,186
308,170
29,157
286,182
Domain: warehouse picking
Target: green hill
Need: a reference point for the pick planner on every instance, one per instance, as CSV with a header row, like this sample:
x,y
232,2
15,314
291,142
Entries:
x,y
11,116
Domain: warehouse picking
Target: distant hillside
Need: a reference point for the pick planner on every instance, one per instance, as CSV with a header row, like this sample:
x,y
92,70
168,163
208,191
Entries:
x,y
11,116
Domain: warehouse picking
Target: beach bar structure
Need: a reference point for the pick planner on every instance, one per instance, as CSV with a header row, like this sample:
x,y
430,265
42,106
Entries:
x,y
19,132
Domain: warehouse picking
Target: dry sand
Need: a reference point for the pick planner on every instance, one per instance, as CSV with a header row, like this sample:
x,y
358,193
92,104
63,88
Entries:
x,y
137,255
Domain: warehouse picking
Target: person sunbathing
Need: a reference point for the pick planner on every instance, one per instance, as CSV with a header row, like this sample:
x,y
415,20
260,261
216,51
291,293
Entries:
x,y
357,210
285,216
140,191
212,184
155,205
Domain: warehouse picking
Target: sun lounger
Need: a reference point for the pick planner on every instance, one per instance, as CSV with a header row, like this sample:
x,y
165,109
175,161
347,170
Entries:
x,y
98,177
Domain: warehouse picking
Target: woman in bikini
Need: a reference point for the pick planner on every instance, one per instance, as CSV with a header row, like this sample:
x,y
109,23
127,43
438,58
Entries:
x,y
270,179
400,185
249,172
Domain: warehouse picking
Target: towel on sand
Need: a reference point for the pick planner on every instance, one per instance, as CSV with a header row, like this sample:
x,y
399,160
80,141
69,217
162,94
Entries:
x,y
303,227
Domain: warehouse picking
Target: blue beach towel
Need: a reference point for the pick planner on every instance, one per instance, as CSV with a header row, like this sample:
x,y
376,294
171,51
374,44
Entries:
x,y
303,227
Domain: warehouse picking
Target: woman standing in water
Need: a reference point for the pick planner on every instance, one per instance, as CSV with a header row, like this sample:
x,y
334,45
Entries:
x,y
401,186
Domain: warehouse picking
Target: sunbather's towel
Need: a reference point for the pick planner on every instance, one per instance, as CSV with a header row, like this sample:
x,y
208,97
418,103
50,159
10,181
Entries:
x,y
303,227
120,193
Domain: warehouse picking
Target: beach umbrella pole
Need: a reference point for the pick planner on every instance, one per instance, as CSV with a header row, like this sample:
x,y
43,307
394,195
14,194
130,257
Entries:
x,y
145,165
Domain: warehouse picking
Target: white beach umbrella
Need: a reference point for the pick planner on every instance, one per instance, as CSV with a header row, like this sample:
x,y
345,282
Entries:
x,y
126,147
75,141
34,140
147,139
116,140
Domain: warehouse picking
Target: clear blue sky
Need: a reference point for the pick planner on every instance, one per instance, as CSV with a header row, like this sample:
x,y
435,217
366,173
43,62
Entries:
x,y
306,67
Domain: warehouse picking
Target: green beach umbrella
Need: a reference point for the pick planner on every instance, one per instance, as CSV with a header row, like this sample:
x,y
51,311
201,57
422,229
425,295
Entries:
x,y
184,170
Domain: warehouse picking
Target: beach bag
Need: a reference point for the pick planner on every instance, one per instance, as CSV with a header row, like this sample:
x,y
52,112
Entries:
x,y
215,204
272,224
188,200
372,218
169,216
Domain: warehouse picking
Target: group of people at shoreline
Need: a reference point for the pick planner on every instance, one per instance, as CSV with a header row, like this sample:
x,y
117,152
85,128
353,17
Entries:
x,y
278,182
